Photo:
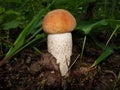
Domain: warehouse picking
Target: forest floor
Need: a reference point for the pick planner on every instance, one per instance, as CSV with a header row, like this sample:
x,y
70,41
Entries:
x,y
29,70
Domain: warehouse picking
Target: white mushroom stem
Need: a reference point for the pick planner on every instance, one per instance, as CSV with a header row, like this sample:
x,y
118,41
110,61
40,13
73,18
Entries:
x,y
60,46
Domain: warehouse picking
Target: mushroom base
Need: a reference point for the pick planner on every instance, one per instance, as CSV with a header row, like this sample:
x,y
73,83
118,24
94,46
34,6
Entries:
x,y
60,46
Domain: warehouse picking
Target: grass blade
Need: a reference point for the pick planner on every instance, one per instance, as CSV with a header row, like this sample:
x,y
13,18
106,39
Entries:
x,y
114,31
21,38
38,37
107,52
83,47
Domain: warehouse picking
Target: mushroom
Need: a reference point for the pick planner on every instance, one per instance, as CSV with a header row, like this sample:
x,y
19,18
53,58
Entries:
x,y
58,24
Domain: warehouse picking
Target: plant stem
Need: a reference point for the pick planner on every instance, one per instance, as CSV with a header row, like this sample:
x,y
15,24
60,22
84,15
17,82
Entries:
x,y
83,46
37,50
112,35
34,34
24,46
30,42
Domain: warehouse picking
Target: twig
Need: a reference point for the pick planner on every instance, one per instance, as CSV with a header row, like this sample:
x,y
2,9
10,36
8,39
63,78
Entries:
x,y
73,63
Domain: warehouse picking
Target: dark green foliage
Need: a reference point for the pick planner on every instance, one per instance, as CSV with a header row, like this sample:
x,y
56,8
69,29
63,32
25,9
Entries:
x,y
27,15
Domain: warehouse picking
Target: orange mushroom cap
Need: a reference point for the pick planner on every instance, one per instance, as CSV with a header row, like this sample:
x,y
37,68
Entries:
x,y
58,21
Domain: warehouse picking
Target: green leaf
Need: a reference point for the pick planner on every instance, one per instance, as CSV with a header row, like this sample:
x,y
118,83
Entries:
x,y
38,37
107,52
10,25
86,27
20,41
2,10
113,22
10,12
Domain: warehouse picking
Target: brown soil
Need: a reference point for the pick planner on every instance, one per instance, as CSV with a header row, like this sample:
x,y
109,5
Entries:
x,y
32,71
